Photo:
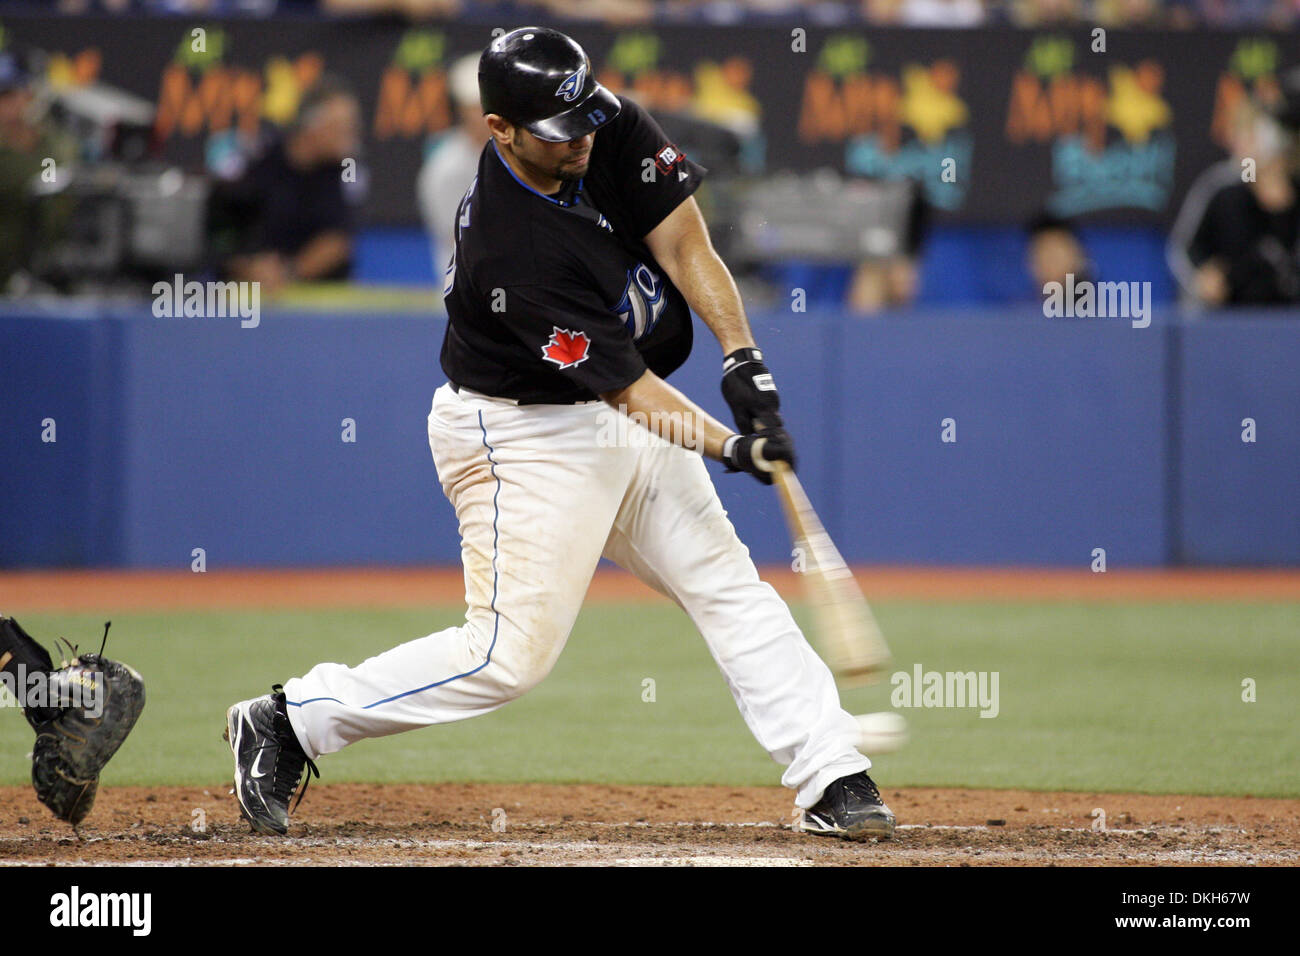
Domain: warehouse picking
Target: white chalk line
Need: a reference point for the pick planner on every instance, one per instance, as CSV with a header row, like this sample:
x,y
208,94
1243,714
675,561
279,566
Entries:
x,y
544,853
635,861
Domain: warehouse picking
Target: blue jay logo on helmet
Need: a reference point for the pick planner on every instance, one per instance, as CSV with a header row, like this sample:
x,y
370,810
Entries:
x,y
571,88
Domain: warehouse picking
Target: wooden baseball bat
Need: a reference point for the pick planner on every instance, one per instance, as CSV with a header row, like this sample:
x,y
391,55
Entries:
x,y
846,632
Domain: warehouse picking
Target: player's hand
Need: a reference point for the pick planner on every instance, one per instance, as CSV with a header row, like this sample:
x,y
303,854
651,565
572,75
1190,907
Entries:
x,y
757,454
748,388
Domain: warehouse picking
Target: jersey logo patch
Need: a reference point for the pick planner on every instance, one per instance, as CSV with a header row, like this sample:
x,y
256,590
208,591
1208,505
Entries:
x,y
668,157
643,301
571,88
566,347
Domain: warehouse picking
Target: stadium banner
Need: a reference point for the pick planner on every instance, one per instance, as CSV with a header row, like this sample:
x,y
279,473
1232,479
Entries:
x,y
998,125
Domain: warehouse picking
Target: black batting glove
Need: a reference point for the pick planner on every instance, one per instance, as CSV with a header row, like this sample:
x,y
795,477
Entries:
x,y
748,388
757,454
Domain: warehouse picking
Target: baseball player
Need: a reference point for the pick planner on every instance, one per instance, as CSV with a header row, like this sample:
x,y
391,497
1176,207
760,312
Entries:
x,y
81,711
579,253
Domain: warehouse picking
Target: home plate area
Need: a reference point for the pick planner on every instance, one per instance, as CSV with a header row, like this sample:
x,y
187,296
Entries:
x,y
584,825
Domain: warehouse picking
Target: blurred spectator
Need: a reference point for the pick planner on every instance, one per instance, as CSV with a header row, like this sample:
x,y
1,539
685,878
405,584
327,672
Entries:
x,y
1230,13
880,285
1045,13
412,9
941,13
892,282
227,7
1235,242
1033,14
1181,14
90,6
289,212
1129,13
727,11
613,12
35,162
453,162
882,12
1055,251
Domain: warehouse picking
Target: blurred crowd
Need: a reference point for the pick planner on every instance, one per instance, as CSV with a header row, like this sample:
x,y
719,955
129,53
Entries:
x,y
87,205
1165,14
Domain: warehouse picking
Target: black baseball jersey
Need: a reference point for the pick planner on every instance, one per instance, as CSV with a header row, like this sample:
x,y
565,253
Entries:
x,y
557,299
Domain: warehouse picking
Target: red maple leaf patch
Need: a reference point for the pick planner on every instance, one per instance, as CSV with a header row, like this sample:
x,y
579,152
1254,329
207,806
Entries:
x,y
566,347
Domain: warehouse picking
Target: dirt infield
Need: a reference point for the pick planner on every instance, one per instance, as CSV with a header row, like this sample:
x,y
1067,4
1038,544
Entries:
x,y
120,591
541,824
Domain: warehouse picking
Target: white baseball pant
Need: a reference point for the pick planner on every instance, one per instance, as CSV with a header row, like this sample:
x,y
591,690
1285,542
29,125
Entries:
x,y
542,492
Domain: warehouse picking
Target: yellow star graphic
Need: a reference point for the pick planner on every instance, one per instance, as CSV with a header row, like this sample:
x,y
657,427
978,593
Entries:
x,y
281,94
1132,109
929,106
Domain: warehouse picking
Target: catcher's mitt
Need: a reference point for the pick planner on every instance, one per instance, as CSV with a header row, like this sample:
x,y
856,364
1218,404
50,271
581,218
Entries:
x,y
90,705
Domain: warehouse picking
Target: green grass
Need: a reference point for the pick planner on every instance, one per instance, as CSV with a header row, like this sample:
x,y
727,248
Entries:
x,y
1119,697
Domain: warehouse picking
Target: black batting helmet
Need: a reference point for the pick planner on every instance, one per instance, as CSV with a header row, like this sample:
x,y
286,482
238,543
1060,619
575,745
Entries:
x,y
541,80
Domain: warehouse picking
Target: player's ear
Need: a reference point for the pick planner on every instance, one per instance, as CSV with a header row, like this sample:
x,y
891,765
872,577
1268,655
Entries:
x,y
501,128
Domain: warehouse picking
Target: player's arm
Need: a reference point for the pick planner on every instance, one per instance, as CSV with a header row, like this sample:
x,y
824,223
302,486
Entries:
x,y
652,402
681,246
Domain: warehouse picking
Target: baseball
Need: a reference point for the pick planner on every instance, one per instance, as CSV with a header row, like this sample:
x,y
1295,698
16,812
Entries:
x,y
881,733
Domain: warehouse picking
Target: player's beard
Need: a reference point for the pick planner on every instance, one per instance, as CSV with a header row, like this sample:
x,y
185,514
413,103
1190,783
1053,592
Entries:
x,y
570,172
563,170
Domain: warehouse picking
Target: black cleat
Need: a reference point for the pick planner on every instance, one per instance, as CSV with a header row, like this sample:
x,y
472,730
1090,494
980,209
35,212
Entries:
x,y
269,761
850,808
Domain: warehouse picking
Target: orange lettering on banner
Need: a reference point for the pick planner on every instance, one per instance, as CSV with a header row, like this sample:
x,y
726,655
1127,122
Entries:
x,y
890,127
85,67
612,80
428,112
862,104
1150,77
646,87
859,97
173,93
737,72
663,90
214,102
1028,116
246,99
307,69
1066,104
676,92
1092,107
1070,106
945,74
1228,96
224,96
394,89
821,116
409,111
